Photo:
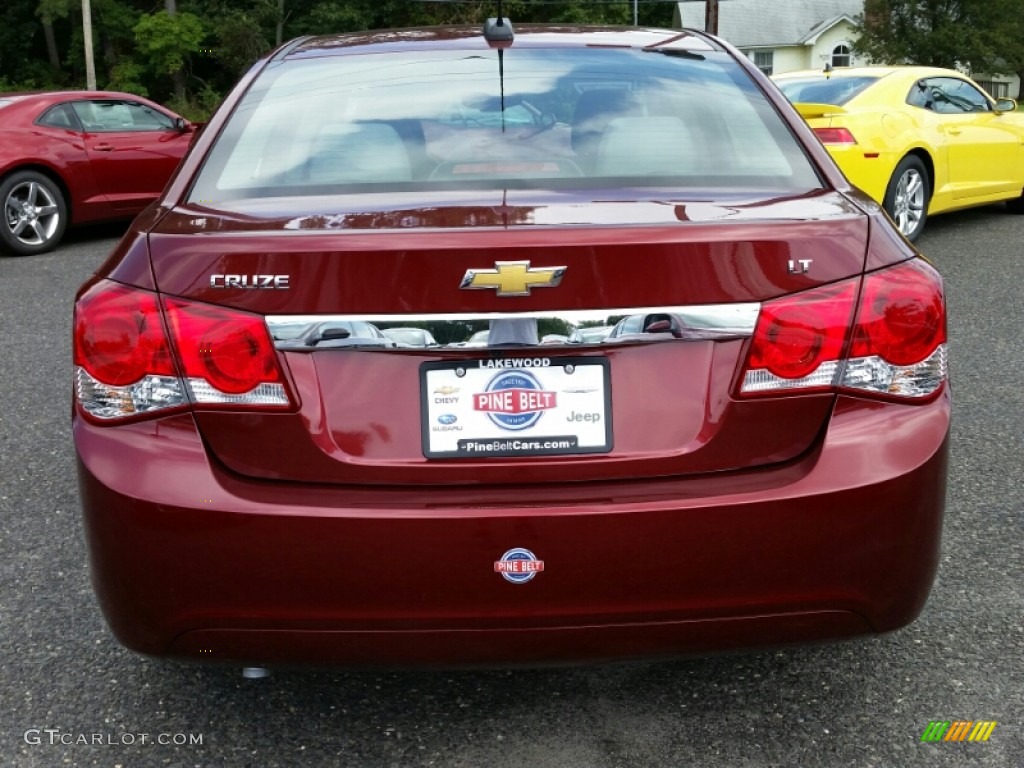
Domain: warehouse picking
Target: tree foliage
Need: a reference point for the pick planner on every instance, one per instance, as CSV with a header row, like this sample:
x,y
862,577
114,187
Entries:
x,y
206,44
978,35
164,42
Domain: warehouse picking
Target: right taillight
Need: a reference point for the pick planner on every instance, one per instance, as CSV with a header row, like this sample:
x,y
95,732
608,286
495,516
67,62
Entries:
x,y
894,345
899,338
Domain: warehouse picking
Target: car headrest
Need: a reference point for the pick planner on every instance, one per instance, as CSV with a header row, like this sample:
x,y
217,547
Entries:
x,y
358,153
646,146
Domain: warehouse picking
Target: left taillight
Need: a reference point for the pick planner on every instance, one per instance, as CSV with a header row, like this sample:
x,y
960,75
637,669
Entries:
x,y
128,365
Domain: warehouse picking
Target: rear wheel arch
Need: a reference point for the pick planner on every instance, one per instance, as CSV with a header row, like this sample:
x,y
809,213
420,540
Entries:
x,y
929,165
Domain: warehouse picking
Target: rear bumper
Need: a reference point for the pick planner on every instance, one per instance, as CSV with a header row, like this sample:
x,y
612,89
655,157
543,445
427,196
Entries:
x,y
190,560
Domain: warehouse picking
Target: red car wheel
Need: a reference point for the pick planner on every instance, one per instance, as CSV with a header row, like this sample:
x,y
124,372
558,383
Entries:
x,y
35,214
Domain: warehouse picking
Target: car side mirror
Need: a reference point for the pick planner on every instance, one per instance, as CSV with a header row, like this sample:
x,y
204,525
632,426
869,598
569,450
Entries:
x,y
661,324
658,326
181,124
1006,105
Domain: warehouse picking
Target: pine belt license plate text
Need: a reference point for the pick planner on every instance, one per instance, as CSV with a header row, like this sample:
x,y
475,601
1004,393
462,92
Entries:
x,y
515,406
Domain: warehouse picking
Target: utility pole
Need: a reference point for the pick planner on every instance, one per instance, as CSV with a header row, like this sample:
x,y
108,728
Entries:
x,y
90,66
636,13
171,6
711,17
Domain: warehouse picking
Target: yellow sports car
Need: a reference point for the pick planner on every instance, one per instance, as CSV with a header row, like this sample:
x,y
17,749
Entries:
x,y
919,140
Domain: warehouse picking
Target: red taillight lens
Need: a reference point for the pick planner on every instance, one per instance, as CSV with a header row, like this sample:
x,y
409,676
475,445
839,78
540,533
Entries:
x,y
835,136
124,366
797,335
898,345
226,355
119,335
902,316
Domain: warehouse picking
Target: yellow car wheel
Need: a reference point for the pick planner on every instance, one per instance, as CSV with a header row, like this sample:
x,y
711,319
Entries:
x,y
907,196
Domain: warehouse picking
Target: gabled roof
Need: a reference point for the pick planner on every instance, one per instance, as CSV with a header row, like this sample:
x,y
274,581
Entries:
x,y
752,24
812,37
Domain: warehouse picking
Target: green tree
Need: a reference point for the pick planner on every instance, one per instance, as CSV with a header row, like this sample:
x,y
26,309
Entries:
x,y
241,38
981,35
189,52
117,66
165,42
49,11
551,325
1004,22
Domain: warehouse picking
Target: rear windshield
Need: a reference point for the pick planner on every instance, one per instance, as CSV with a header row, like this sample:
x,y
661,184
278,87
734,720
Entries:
x,y
543,118
819,90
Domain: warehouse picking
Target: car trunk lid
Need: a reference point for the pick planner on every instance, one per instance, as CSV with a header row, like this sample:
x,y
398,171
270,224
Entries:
x,y
655,403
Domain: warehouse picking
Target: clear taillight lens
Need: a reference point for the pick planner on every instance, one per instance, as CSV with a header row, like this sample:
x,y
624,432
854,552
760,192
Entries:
x,y
125,365
897,347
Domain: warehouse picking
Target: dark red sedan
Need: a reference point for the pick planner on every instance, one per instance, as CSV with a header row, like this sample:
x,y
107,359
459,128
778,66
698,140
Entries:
x,y
762,461
77,157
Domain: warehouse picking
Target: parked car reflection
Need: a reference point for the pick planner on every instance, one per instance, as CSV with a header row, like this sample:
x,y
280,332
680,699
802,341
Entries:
x,y
410,337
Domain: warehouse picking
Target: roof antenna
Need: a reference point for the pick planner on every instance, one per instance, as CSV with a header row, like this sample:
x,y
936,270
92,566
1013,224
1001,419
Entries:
x,y
500,34
499,30
501,77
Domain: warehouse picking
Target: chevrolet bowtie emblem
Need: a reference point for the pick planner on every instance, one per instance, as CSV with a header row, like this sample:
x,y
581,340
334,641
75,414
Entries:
x,y
513,278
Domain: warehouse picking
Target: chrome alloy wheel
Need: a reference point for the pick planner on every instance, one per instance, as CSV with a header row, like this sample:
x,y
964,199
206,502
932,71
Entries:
x,y
31,213
908,205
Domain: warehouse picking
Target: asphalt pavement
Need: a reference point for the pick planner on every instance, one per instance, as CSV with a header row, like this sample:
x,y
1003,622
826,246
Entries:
x,y
69,695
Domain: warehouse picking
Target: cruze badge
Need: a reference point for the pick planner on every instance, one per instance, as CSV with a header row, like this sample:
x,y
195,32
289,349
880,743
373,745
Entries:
x,y
513,278
280,282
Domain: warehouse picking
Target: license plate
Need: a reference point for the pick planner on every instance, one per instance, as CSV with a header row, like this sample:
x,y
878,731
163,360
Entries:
x,y
516,406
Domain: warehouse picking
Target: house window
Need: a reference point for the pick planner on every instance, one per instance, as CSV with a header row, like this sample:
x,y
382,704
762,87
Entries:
x,y
765,61
994,89
841,55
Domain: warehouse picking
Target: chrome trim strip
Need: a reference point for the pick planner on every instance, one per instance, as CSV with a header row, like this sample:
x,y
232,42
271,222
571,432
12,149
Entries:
x,y
694,322
740,318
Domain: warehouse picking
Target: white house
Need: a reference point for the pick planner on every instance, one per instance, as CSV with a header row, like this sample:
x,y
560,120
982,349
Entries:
x,y
786,35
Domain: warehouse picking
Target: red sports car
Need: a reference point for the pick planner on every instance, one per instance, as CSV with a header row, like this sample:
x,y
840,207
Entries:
x,y
80,156
263,483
